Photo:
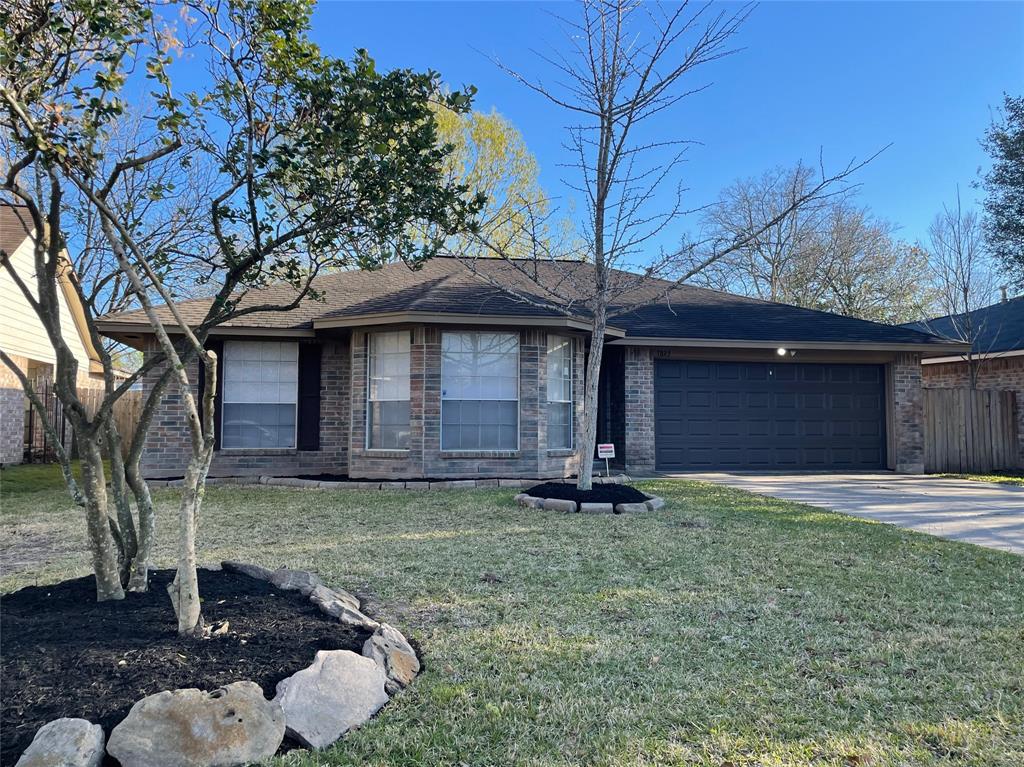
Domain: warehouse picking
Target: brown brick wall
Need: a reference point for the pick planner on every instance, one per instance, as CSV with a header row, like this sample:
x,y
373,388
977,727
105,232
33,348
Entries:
x,y
1006,373
907,417
167,444
639,409
12,414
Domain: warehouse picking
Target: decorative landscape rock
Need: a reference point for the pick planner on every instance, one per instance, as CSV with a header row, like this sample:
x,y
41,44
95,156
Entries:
x,y
339,605
65,743
654,503
295,580
556,504
232,725
340,691
393,653
630,508
597,508
253,571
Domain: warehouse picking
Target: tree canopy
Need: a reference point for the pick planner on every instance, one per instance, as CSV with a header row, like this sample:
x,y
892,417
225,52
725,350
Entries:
x,y
1004,188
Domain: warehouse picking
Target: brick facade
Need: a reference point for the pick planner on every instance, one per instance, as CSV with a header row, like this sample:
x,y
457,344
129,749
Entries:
x,y
1006,373
907,417
343,423
167,444
12,414
639,395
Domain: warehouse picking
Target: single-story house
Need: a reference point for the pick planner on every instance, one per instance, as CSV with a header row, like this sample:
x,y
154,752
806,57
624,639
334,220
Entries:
x,y
23,337
997,353
437,373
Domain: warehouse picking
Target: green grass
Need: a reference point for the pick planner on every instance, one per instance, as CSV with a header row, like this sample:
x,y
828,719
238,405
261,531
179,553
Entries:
x,y
725,629
1001,478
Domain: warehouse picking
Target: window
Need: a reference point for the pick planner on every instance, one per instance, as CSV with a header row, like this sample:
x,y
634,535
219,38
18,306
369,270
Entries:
x,y
387,393
559,393
479,391
261,382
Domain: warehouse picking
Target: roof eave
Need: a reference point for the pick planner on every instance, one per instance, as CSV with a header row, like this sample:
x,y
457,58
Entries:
x,y
732,343
451,318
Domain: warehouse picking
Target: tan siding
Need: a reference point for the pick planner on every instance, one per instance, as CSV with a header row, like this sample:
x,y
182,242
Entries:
x,y
21,332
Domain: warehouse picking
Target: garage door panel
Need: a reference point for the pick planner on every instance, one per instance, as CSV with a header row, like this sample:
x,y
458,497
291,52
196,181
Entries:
x,y
762,416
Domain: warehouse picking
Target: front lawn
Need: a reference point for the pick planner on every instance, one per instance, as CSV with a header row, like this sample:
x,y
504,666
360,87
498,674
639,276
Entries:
x,y
1001,478
726,629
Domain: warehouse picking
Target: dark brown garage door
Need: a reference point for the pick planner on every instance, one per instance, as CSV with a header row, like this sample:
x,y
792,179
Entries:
x,y
737,415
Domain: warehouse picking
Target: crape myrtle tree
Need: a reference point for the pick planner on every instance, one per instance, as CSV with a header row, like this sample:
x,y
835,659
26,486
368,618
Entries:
x,y
308,162
627,65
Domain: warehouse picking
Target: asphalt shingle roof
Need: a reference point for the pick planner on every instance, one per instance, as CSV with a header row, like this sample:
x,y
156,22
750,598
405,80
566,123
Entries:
x,y
445,285
996,328
15,225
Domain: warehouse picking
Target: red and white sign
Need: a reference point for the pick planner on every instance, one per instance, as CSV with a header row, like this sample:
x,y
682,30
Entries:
x,y
606,450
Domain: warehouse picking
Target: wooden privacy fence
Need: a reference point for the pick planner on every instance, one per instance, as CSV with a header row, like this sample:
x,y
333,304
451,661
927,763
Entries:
x,y
39,447
969,430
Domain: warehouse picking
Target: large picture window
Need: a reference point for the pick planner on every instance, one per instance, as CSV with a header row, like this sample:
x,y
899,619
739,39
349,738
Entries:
x,y
261,381
387,394
559,375
479,391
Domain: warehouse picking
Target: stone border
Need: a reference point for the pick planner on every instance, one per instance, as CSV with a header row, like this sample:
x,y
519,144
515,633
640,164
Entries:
x,y
356,484
653,503
316,706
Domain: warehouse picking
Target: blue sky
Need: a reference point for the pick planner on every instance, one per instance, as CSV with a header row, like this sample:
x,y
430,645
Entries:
x,y
848,78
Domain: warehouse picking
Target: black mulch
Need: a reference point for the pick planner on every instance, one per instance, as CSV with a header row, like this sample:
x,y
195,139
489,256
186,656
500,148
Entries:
x,y
598,494
62,651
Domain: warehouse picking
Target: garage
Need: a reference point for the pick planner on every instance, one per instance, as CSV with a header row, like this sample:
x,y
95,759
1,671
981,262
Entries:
x,y
768,416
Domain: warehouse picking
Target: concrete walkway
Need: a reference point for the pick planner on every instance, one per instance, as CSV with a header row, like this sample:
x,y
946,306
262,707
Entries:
x,y
983,513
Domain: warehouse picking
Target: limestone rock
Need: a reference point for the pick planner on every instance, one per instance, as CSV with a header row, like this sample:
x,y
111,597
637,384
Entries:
x,y
342,609
556,504
326,594
597,508
340,691
232,725
630,508
253,571
654,503
295,580
393,653
65,743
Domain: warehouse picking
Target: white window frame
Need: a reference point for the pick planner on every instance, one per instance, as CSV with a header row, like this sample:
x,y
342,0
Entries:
x,y
224,385
369,383
572,390
517,400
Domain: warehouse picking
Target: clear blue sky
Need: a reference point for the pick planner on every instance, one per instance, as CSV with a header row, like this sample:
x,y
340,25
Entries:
x,y
845,77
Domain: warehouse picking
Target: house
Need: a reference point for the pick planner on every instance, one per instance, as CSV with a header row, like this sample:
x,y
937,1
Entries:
x,y
997,353
22,335
436,373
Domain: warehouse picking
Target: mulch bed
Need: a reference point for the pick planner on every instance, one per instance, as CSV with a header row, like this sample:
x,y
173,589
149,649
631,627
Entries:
x,y
563,491
65,654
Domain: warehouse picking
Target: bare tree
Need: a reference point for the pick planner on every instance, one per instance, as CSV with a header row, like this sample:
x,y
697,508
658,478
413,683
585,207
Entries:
x,y
628,64
964,277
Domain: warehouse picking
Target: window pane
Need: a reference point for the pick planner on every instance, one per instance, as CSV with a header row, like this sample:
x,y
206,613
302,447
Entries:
x,y
559,425
387,412
479,425
480,366
260,394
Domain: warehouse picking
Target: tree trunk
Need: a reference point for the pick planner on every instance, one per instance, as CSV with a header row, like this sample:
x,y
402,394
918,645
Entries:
x,y
138,579
184,590
101,542
588,439
125,520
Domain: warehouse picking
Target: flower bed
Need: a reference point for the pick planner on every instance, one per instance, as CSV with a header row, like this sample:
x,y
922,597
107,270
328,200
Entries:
x,y
608,498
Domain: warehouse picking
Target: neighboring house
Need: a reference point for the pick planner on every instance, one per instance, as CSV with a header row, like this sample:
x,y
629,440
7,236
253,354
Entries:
x,y
435,373
997,353
22,335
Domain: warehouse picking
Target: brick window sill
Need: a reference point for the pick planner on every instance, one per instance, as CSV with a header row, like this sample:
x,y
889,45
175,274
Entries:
x,y
561,453
380,453
452,454
257,451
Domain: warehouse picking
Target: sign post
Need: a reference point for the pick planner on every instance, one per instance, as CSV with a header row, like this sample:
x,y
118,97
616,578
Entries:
x,y
606,450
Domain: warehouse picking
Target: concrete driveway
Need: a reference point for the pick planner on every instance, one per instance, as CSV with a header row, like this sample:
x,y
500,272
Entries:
x,y
984,513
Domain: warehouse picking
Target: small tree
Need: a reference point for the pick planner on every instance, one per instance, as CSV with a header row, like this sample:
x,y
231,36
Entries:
x,y
629,63
314,162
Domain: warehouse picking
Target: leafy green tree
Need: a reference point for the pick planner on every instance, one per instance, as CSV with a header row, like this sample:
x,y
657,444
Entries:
x,y
312,162
1004,188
